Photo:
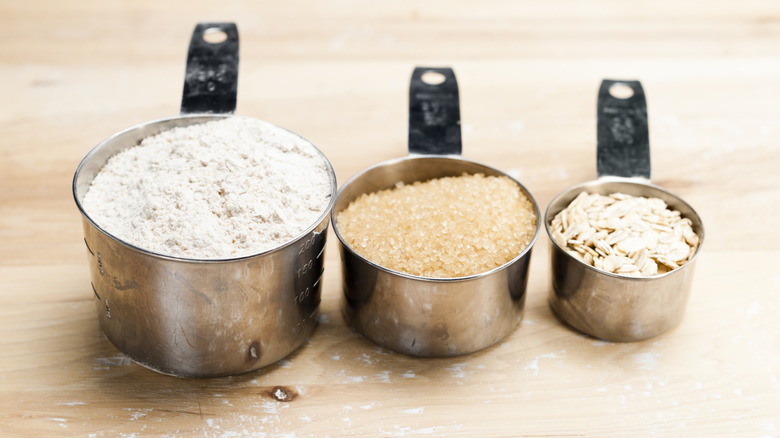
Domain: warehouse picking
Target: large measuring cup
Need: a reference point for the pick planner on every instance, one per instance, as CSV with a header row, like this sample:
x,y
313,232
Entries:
x,y
192,317
611,306
417,315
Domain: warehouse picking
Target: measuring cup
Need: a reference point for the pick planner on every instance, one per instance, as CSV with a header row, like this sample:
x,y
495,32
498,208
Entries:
x,y
417,315
610,306
192,317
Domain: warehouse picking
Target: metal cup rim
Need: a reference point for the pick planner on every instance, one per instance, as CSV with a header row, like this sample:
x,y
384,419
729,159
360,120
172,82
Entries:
x,y
206,116
638,181
454,157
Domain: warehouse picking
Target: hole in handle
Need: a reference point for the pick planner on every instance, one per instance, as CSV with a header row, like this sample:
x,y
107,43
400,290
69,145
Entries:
x,y
214,35
431,77
620,90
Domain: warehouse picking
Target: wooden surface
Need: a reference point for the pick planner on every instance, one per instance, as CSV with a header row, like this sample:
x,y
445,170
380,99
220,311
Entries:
x,y
337,72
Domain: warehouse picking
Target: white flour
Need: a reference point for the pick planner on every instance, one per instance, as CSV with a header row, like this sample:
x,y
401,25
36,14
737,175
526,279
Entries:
x,y
221,189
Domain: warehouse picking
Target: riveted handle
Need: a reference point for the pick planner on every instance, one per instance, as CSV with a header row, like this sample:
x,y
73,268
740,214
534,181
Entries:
x,y
434,112
622,134
211,78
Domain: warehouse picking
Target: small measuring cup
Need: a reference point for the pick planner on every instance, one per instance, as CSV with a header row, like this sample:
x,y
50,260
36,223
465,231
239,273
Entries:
x,y
610,306
193,317
417,315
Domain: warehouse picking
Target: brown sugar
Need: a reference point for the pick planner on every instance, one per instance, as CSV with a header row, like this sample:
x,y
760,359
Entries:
x,y
441,228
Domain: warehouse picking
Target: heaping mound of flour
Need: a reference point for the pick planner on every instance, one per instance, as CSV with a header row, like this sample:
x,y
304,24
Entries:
x,y
222,189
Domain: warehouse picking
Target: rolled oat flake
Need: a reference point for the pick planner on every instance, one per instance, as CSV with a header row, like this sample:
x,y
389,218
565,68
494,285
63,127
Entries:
x,y
623,234
222,189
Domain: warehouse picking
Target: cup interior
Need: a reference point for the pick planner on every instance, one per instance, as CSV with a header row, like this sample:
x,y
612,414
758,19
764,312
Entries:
x,y
411,169
94,161
629,186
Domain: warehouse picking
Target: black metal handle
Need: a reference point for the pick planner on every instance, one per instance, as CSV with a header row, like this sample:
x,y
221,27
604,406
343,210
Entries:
x,y
622,135
211,78
434,113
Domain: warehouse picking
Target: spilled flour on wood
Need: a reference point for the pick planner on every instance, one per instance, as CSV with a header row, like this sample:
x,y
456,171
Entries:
x,y
646,361
533,365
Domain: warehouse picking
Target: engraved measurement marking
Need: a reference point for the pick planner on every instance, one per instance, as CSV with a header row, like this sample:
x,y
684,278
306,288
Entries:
x,y
305,268
305,294
95,290
306,319
320,278
434,113
108,310
321,251
100,263
88,248
302,296
306,245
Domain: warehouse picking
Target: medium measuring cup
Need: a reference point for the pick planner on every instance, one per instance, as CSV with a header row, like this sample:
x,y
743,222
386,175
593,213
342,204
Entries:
x,y
611,306
193,317
417,315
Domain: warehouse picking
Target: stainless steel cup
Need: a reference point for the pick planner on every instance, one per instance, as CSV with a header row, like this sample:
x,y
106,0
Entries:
x,y
611,306
201,318
423,316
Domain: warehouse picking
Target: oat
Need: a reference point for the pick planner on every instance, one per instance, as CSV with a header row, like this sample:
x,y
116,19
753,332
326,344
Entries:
x,y
623,234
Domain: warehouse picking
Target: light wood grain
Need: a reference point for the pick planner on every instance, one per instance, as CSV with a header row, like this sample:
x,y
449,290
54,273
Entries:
x,y
72,73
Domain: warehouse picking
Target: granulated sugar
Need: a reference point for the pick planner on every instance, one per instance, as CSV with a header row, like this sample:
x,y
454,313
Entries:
x,y
221,189
442,228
